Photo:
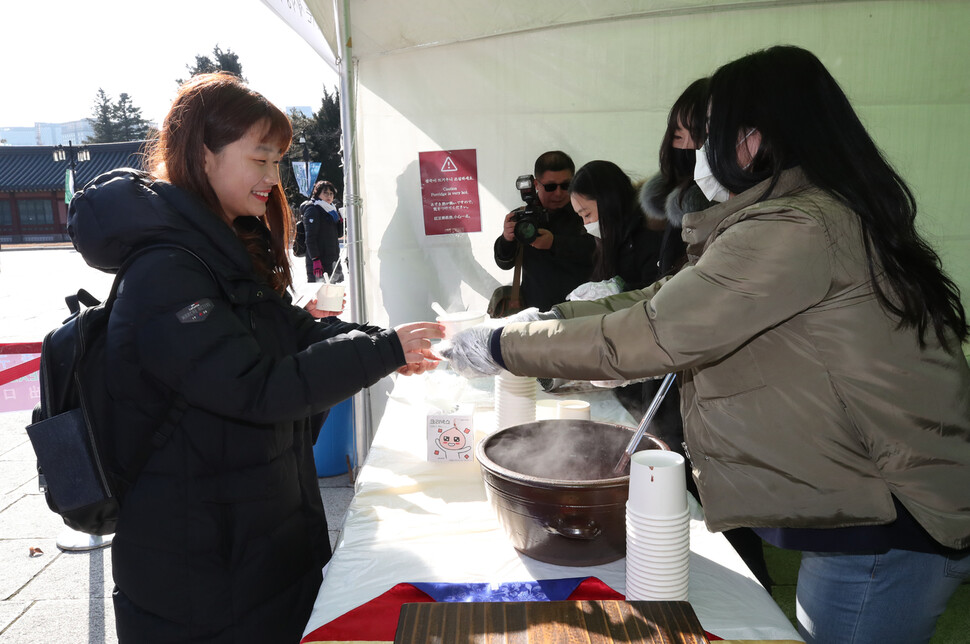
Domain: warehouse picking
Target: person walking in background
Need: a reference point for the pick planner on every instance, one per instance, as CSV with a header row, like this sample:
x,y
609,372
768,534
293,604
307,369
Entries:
x,y
222,537
323,227
824,385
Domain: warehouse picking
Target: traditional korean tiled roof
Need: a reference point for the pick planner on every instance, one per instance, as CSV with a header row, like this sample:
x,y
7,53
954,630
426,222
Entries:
x,y
31,168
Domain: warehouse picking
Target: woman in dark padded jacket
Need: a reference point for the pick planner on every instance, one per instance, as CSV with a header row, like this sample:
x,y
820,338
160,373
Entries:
x,y
323,227
222,537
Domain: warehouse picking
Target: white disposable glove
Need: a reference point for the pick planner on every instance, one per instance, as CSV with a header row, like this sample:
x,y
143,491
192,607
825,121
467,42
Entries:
x,y
613,384
531,314
597,290
469,352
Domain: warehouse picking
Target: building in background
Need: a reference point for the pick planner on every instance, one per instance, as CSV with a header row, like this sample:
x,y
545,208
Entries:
x,y
32,187
76,132
18,136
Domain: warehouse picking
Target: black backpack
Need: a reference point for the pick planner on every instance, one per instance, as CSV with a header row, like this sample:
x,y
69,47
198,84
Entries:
x,y
299,240
69,431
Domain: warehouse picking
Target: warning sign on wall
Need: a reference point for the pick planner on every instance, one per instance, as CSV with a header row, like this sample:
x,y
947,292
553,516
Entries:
x,y
449,192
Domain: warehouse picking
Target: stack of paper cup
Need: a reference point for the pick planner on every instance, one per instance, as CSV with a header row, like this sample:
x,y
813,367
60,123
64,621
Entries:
x,y
657,528
515,399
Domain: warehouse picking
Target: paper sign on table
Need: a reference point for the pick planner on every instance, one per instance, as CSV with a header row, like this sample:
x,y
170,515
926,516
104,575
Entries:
x,y
451,435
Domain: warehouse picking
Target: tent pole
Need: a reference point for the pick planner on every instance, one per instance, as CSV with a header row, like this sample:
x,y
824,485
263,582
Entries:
x,y
348,127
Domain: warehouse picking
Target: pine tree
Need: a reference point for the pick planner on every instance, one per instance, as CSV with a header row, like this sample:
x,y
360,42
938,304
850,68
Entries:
x,y
225,61
324,143
103,122
330,144
129,124
118,121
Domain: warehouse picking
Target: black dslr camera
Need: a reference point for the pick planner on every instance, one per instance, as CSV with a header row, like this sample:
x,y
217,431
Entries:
x,y
528,218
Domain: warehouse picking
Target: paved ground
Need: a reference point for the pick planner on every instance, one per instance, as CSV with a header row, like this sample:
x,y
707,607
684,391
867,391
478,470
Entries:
x,y
56,596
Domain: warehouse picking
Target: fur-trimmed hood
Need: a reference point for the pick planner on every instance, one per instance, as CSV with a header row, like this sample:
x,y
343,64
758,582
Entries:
x,y
671,207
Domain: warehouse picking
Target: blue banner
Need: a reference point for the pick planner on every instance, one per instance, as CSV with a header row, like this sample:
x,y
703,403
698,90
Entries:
x,y
306,176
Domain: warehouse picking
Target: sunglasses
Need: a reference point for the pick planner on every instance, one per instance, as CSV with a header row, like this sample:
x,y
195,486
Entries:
x,y
551,187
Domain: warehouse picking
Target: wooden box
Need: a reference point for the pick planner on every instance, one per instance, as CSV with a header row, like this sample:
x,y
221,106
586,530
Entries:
x,y
592,622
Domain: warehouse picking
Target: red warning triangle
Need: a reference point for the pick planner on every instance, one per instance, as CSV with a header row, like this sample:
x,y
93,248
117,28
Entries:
x,y
449,165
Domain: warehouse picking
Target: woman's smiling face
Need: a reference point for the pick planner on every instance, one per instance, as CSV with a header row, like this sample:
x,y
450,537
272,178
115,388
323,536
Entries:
x,y
243,173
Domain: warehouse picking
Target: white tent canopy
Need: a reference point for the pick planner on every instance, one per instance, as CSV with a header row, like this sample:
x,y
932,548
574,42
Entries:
x,y
596,79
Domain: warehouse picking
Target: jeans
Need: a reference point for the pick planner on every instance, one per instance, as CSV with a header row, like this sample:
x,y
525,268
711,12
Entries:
x,y
897,596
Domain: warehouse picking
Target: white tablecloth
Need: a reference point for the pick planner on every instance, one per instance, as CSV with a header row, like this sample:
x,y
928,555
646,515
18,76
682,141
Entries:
x,y
415,521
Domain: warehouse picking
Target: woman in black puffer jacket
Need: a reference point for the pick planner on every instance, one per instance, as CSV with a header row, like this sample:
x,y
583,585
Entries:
x,y
222,536
323,228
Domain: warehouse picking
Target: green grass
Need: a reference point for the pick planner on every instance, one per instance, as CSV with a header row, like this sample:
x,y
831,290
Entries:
x,y
953,626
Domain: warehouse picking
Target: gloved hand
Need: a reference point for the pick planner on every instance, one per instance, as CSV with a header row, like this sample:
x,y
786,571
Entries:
x,y
469,352
532,314
613,384
597,290
317,268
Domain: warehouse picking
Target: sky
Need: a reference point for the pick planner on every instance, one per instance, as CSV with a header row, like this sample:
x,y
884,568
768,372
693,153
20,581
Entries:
x,y
56,54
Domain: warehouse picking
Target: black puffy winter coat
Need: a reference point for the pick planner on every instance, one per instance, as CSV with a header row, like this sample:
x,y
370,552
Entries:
x,y
323,233
223,535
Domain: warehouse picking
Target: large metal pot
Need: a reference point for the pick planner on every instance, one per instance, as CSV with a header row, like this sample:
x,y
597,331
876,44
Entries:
x,y
552,485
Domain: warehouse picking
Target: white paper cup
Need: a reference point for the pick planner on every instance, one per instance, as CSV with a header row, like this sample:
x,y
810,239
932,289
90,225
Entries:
x,y
646,520
658,484
515,400
648,586
637,527
663,572
636,591
650,545
674,561
658,577
654,533
547,409
459,321
673,577
574,409
330,297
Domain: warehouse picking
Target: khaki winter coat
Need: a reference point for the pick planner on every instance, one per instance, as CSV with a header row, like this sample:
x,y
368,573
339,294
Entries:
x,y
805,405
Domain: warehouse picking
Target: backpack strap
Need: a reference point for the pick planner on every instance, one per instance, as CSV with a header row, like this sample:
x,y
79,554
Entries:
x,y
109,301
74,302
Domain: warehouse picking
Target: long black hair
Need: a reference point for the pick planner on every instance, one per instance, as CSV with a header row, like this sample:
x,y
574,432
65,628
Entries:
x,y
617,206
805,119
689,110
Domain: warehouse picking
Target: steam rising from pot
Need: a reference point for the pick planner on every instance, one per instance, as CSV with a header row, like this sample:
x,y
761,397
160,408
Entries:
x,y
564,450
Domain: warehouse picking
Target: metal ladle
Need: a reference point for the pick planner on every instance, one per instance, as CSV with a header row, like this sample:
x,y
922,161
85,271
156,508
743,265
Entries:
x,y
647,417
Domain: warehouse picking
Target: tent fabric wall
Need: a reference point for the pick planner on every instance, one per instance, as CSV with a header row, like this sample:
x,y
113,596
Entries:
x,y
599,87
512,80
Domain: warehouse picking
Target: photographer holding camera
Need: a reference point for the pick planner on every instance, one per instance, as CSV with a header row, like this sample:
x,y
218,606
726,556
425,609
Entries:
x,y
557,250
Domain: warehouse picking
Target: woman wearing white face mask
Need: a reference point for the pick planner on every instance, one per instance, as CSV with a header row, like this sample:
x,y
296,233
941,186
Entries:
x,y
669,195
603,195
818,346
704,176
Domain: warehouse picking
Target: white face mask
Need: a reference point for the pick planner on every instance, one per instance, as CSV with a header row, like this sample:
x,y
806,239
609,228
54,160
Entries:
x,y
710,186
593,228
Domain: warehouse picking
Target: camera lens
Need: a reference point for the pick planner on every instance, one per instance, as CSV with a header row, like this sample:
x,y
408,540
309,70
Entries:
x,y
526,230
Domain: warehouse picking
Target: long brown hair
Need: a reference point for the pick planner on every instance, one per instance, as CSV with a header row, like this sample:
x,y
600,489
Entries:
x,y
216,110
